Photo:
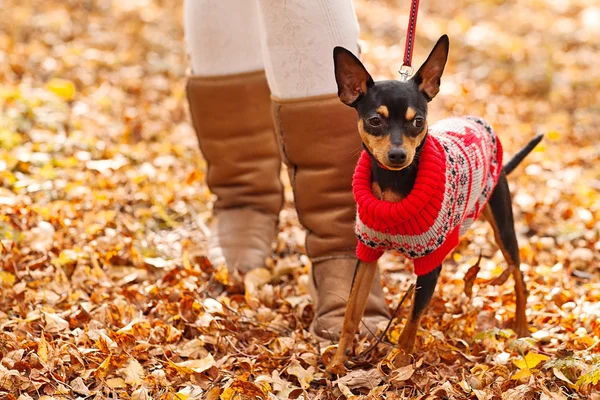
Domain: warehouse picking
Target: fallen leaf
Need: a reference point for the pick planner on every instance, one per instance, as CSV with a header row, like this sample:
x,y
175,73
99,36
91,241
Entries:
x,y
522,374
470,277
483,395
194,366
403,373
256,278
140,394
192,349
242,390
134,373
63,88
79,386
530,361
305,376
103,368
558,373
7,279
115,383
361,378
346,391
43,349
521,392
55,323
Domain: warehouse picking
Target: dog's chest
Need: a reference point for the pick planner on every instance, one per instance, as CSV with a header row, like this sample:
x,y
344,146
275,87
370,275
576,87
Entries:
x,y
387,194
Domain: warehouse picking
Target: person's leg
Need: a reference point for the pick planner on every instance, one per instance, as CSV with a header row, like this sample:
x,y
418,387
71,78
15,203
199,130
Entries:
x,y
230,106
320,144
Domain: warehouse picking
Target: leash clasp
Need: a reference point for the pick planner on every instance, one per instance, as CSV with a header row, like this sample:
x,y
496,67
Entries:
x,y
405,72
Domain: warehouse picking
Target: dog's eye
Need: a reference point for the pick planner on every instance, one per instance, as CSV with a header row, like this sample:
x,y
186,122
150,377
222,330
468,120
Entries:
x,y
374,121
418,122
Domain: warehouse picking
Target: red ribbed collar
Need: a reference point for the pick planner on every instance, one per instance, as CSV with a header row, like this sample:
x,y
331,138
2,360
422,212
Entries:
x,y
430,178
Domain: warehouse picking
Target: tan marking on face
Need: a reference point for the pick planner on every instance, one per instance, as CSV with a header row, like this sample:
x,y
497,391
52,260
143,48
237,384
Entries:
x,y
378,146
383,110
386,195
410,113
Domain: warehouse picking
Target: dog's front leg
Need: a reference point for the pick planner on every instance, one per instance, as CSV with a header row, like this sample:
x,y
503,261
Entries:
x,y
424,291
355,308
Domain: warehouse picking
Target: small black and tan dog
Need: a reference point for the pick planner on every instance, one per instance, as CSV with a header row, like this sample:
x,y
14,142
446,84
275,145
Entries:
x,y
392,121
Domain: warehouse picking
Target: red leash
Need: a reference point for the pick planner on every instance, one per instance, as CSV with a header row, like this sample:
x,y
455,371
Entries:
x,y
406,69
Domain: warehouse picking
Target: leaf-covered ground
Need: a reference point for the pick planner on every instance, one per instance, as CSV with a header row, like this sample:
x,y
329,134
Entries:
x,y
103,210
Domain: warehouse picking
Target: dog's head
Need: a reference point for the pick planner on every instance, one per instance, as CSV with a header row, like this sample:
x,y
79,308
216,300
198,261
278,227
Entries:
x,y
392,115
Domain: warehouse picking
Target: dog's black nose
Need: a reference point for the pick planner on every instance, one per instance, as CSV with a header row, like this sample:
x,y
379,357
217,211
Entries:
x,y
397,156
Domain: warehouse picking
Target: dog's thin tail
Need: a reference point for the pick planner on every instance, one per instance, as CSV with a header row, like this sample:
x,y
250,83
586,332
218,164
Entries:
x,y
521,154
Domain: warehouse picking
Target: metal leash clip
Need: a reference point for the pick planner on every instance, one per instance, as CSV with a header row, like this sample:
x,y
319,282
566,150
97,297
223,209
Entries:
x,y
405,72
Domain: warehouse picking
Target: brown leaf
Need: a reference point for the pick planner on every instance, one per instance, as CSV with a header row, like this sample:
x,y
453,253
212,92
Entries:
x,y
134,373
470,277
522,392
140,394
403,373
502,278
194,366
55,323
361,378
79,386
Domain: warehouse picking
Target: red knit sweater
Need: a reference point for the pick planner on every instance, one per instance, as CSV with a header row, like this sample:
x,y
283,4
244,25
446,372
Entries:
x,y
459,166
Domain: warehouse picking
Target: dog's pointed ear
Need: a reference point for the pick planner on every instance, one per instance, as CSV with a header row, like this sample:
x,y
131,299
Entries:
x,y
428,76
352,78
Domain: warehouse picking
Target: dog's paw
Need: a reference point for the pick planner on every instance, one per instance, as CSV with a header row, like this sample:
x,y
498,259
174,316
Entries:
x,y
402,359
336,367
521,328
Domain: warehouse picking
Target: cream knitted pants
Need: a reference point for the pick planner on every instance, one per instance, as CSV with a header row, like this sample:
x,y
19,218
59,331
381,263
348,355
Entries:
x,y
292,40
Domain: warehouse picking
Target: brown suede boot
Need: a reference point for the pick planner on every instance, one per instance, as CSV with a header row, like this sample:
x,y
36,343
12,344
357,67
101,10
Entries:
x,y
232,118
320,145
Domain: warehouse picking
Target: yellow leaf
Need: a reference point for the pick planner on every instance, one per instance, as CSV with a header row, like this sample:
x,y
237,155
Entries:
x,y
522,374
102,369
7,278
393,334
63,88
531,360
242,390
553,135
221,274
264,386
43,349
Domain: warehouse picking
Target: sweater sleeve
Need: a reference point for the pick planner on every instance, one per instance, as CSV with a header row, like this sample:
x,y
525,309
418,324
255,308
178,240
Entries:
x,y
367,254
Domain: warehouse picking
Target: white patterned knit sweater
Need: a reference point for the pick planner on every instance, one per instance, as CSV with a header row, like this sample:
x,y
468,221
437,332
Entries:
x,y
459,166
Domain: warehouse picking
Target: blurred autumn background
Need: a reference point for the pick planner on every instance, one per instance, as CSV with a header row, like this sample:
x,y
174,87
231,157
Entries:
x,y
103,209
